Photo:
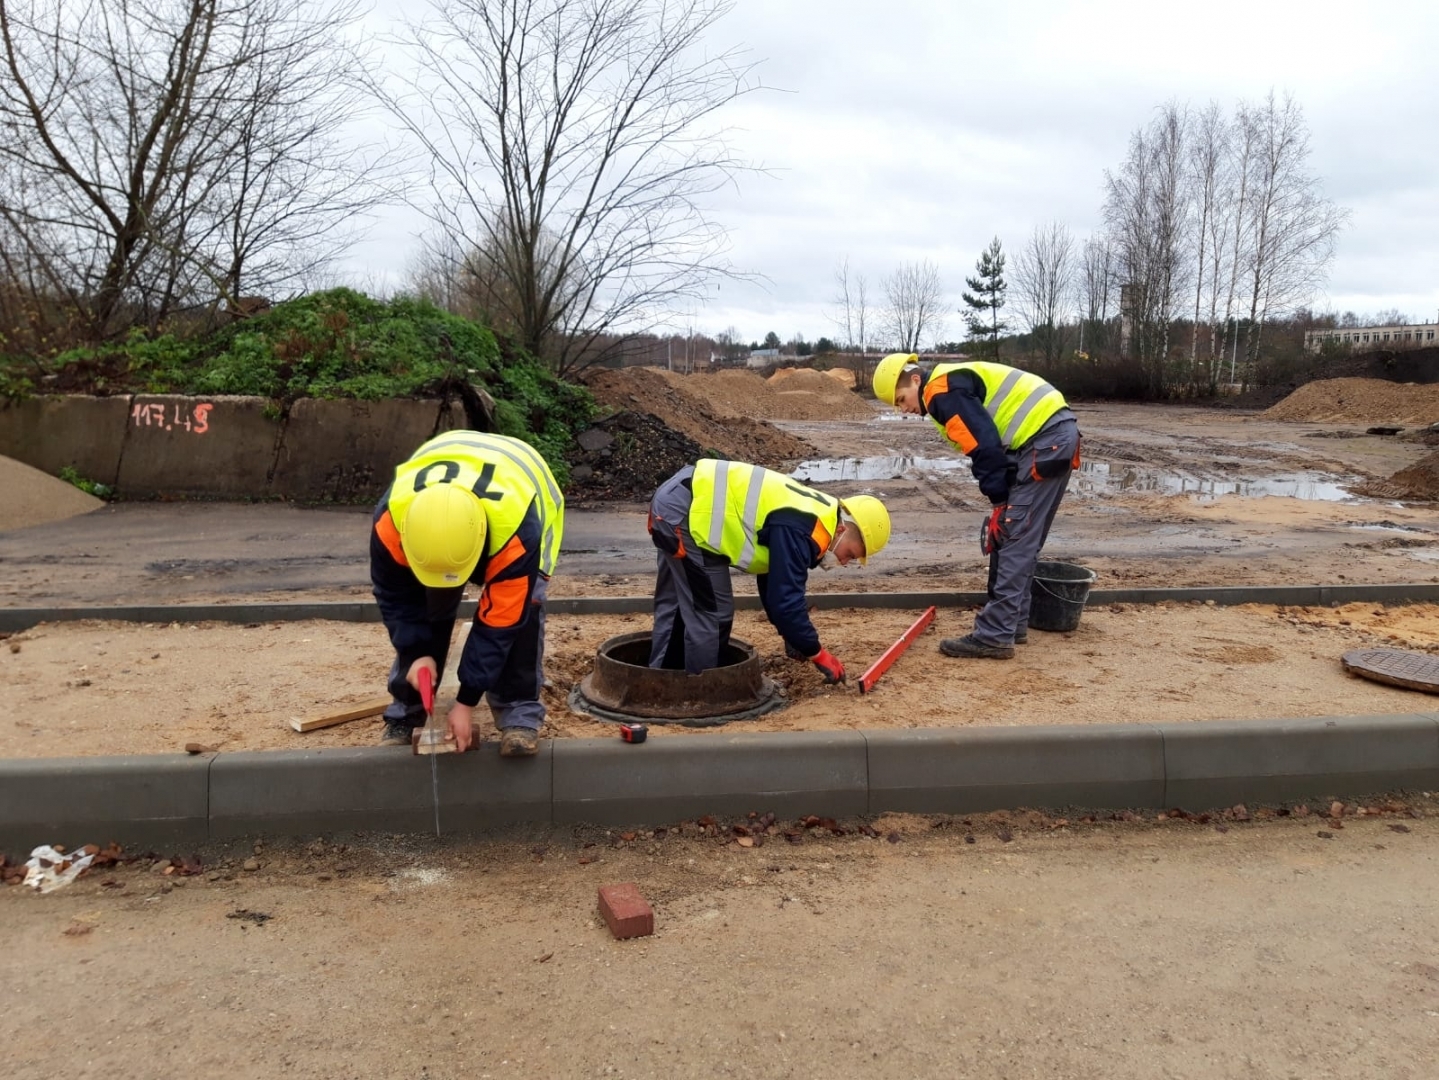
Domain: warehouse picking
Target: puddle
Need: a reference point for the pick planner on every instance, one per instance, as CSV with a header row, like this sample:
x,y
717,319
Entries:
x,y
889,467
1100,477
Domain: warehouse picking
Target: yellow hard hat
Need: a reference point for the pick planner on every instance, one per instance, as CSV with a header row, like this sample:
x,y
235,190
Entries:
x,y
872,520
886,376
443,534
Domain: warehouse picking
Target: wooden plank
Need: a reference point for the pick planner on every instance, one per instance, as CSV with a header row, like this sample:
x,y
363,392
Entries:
x,y
354,712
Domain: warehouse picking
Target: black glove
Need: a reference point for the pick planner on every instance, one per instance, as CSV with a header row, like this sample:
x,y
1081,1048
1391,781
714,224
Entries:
x,y
793,653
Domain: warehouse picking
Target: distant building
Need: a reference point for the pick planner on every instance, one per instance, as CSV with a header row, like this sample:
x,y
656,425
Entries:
x,y
1373,337
761,357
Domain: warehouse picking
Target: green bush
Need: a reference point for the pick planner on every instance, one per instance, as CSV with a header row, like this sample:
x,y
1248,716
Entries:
x,y
335,344
90,487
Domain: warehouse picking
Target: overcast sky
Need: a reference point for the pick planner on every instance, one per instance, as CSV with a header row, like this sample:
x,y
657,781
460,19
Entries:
x,y
904,130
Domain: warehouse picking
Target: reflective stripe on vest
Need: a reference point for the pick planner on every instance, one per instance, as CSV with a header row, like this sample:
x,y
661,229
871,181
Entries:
x,y
1019,403
505,473
732,501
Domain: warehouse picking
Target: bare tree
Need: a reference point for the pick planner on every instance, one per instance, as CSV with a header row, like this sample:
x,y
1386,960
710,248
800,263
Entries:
x,y
1293,225
853,316
1097,271
1044,286
1146,212
1208,151
156,152
913,295
571,147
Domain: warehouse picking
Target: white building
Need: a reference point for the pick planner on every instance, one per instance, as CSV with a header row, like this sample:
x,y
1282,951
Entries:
x,y
1373,337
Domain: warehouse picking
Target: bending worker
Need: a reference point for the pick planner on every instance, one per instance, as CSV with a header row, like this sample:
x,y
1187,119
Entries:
x,y
716,514
1022,442
468,507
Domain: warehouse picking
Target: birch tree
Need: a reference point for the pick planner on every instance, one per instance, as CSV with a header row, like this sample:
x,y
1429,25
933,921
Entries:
x,y
1293,226
913,295
1044,286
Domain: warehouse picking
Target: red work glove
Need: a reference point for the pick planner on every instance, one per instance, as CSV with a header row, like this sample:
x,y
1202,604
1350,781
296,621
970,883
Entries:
x,y
829,666
991,535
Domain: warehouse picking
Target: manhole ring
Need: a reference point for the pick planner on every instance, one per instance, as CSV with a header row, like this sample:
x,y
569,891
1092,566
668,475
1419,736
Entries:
x,y
582,705
1412,670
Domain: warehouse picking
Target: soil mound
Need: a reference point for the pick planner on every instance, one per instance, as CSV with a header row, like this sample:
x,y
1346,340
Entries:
x,y
32,497
1359,401
802,394
1419,482
663,404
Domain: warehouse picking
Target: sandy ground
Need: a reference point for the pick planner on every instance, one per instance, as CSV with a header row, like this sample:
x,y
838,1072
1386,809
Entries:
x,y
116,688
1009,946
1169,496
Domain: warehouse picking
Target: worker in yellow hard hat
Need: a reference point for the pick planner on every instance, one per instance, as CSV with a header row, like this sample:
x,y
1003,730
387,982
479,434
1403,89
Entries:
x,y
1022,441
467,507
715,515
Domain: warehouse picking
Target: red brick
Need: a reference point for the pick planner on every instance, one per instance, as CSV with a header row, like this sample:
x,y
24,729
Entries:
x,y
626,911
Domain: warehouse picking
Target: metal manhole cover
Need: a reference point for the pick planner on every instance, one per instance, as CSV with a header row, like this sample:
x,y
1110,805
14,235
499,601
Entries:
x,y
1414,670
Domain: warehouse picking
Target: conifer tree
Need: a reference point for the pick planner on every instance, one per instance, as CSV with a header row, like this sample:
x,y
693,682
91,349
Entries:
x,y
986,297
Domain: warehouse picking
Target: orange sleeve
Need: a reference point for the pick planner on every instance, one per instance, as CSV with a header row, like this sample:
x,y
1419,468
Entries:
x,y
390,537
504,557
502,604
961,436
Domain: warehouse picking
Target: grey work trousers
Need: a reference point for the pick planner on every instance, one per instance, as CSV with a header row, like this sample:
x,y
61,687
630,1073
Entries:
x,y
694,600
1042,468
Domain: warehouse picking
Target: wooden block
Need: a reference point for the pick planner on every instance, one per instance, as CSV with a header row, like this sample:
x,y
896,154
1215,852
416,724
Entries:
x,y
625,911
354,712
476,738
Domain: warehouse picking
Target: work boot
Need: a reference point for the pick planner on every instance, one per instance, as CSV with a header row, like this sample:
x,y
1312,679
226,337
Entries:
x,y
1021,636
970,648
397,733
519,742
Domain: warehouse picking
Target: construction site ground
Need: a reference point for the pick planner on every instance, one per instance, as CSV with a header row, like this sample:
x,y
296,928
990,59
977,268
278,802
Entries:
x,y
1167,496
1006,945
1258,942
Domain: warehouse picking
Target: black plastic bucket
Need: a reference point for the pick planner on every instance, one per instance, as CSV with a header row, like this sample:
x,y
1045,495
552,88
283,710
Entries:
x,y
1057,595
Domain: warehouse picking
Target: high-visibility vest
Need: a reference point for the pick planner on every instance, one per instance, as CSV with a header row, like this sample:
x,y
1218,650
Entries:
x,y
1019,403
507,475
732,501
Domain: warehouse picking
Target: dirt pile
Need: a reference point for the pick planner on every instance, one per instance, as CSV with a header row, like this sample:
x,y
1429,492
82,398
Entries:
x,y
1419,482
1359,401
803,394
626,456
670,425
32,497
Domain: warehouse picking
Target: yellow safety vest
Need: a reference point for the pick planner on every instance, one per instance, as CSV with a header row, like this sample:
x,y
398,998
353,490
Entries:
x,y
1019,403
732,501
507,475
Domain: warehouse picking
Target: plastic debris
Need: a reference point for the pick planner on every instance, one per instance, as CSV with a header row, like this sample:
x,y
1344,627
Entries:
x,y
48,869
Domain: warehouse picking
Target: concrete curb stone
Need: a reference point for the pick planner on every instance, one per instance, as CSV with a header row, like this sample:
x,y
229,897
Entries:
x,y
148,800
158,800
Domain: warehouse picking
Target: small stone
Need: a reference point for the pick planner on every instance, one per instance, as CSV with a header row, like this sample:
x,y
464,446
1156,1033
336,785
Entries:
x,y
166,886
14,646
252,865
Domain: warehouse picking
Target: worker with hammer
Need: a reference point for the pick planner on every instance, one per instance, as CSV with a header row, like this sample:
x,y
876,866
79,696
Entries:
x,y
1022,442
468,507
714,515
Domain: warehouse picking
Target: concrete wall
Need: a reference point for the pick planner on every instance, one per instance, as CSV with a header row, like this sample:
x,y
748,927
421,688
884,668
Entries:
x,y
150,446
